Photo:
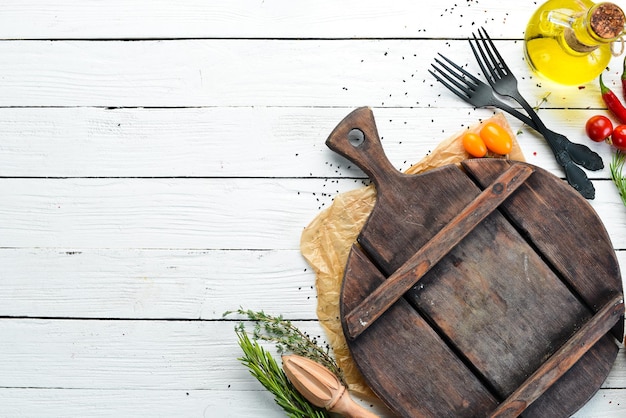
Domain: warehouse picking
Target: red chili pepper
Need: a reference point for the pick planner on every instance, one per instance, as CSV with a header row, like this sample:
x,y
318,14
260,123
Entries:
x,y
612,102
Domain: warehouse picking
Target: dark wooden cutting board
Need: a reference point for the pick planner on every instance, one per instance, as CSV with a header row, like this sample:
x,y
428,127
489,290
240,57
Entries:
x,y
486,289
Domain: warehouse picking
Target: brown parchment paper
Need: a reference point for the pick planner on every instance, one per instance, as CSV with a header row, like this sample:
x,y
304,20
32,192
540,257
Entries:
x,y
326,242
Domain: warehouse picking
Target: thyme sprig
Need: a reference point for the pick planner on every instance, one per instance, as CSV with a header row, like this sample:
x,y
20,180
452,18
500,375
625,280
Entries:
x,y
616,167
265,369
289,339
536,108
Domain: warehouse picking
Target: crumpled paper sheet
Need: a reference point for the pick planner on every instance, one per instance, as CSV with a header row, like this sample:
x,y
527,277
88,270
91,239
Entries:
x,y
326,243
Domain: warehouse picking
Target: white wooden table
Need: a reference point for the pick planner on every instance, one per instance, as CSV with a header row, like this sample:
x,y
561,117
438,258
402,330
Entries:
x,y
159,160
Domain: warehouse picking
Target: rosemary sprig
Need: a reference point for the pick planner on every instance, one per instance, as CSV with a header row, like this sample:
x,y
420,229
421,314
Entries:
x,y
289,339
616,167
265,369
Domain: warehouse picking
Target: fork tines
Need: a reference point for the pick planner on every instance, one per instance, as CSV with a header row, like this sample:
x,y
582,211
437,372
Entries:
x,y
491,64
459,81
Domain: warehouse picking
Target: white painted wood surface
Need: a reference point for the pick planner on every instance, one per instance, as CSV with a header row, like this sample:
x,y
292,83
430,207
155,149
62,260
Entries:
x,y
159,160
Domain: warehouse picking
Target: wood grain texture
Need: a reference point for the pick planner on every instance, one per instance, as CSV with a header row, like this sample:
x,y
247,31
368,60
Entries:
x,y
126,354
153,284
180,213
408,275
200,403
233,72
207,141
493,297
160,213
595,275
479,316
253,19
144,283
159,159
566,358
107,403
69,353
414,355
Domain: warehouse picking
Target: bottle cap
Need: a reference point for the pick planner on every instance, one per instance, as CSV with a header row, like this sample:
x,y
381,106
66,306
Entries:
x,y
607,20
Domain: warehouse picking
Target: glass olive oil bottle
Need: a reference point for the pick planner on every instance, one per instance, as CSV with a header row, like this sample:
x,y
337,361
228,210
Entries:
x,y
569,41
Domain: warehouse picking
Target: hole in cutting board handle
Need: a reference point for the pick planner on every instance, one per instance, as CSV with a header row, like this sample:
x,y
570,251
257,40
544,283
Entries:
x,y
367,153
356,137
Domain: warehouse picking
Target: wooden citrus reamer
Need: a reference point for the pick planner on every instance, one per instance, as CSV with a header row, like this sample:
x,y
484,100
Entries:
x,y
321,387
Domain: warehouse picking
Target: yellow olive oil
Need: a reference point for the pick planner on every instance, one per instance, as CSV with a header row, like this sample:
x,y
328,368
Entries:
x,y
569,41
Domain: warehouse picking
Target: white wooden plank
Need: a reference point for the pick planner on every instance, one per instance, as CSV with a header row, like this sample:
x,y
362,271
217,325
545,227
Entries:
x,y
114,354
148,284
157,284
213,141
137,403
346,73
162,213
150,403
189,213
60,360
129,355
607,403
251,18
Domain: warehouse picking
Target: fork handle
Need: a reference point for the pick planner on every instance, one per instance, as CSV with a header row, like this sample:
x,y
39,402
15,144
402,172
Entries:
x,y
583,155
579,153
575,176
561,147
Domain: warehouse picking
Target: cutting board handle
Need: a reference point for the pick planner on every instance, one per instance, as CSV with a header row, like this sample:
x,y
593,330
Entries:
x,y
356,138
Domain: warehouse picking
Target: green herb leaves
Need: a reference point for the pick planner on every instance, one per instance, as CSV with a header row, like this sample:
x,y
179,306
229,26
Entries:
x,y
265,369
288,339
616,167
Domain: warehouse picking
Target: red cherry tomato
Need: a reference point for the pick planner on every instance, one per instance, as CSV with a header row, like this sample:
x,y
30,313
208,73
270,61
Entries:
x,y
599,128
618,137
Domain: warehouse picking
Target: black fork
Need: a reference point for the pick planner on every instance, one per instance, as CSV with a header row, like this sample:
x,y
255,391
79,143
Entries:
x,y
470,89
504,83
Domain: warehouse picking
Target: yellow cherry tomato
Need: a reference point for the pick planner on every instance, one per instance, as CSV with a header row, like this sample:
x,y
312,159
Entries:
x,y
474,145
496,138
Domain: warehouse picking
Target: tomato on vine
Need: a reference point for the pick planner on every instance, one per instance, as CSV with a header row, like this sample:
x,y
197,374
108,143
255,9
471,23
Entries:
x,y
618,137
599,128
